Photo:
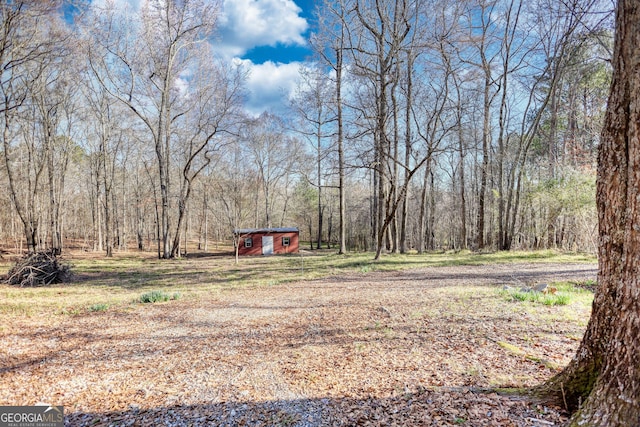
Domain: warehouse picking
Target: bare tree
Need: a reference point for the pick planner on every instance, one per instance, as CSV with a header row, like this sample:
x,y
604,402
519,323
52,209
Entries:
x,y
554,39
106,129
55,98
484,42
234,183
313,104
267,139
330,45
375,46
215,92
462,151
142,59
433,127
28,44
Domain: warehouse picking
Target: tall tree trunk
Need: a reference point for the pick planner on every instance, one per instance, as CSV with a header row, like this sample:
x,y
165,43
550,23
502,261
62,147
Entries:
x,y
553,132
606,367
107,181
330,229
54,202
374,195
484,169
463,201
381,160
395,176
163,175
140,213
502,214
96,207
422,217
341,190
404,214
26,209
319,172
204,222
461,167
431,225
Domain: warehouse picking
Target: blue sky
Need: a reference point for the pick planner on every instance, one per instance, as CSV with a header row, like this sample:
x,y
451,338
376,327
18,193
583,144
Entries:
x,y
284,53
270,37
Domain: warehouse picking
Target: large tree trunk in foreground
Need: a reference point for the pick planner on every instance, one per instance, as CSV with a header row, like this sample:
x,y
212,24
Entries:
x,y
605,373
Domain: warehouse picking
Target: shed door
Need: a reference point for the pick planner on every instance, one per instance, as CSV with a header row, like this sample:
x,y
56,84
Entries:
x,y
267,245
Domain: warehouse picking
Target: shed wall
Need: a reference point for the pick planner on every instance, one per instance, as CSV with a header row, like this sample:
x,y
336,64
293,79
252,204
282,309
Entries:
x,y
278,247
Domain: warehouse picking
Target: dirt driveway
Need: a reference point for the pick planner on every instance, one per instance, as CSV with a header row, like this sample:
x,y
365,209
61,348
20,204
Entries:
x,y
402,348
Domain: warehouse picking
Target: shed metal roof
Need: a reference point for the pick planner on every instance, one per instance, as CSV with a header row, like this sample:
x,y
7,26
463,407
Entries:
x,y
266,230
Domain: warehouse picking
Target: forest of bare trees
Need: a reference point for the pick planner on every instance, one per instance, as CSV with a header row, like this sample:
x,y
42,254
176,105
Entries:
x,y
416,125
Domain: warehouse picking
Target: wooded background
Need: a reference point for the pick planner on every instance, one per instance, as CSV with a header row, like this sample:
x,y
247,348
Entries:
x,y
417,125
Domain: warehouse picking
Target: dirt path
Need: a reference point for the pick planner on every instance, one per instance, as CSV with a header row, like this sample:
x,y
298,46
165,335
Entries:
x,y
401,348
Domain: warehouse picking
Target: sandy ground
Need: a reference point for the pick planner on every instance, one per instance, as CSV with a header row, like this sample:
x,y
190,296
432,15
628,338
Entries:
x,y
417,347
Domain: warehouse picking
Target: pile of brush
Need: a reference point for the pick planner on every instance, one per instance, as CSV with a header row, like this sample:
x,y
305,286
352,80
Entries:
x,y
38,269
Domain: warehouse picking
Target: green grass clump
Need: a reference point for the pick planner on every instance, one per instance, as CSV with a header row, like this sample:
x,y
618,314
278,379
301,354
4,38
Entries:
x,y
157,296
567,293
559,298
99,307
366,268
556,299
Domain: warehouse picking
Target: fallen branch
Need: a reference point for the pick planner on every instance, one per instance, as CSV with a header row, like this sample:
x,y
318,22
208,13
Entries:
x,y
37,269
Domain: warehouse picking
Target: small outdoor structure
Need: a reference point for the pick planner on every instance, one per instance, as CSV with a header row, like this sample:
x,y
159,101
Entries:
x,y
267,241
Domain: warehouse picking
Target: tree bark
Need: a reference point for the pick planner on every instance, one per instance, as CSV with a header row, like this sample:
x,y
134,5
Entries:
x,y
484,168
404,215
319,172
462,188
606,368
343,209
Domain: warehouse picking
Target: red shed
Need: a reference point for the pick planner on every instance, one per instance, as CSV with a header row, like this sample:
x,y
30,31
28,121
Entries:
x,y
267,241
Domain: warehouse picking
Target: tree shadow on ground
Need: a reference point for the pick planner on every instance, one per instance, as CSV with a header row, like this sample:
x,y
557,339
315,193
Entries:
x,y
442,407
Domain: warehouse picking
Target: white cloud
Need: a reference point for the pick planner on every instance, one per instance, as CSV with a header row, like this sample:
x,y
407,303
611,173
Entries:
x,y
249,23
245,24
270,85
182,83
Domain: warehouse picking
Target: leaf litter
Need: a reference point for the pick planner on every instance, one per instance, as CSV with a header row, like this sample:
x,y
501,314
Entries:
x,y
414,348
